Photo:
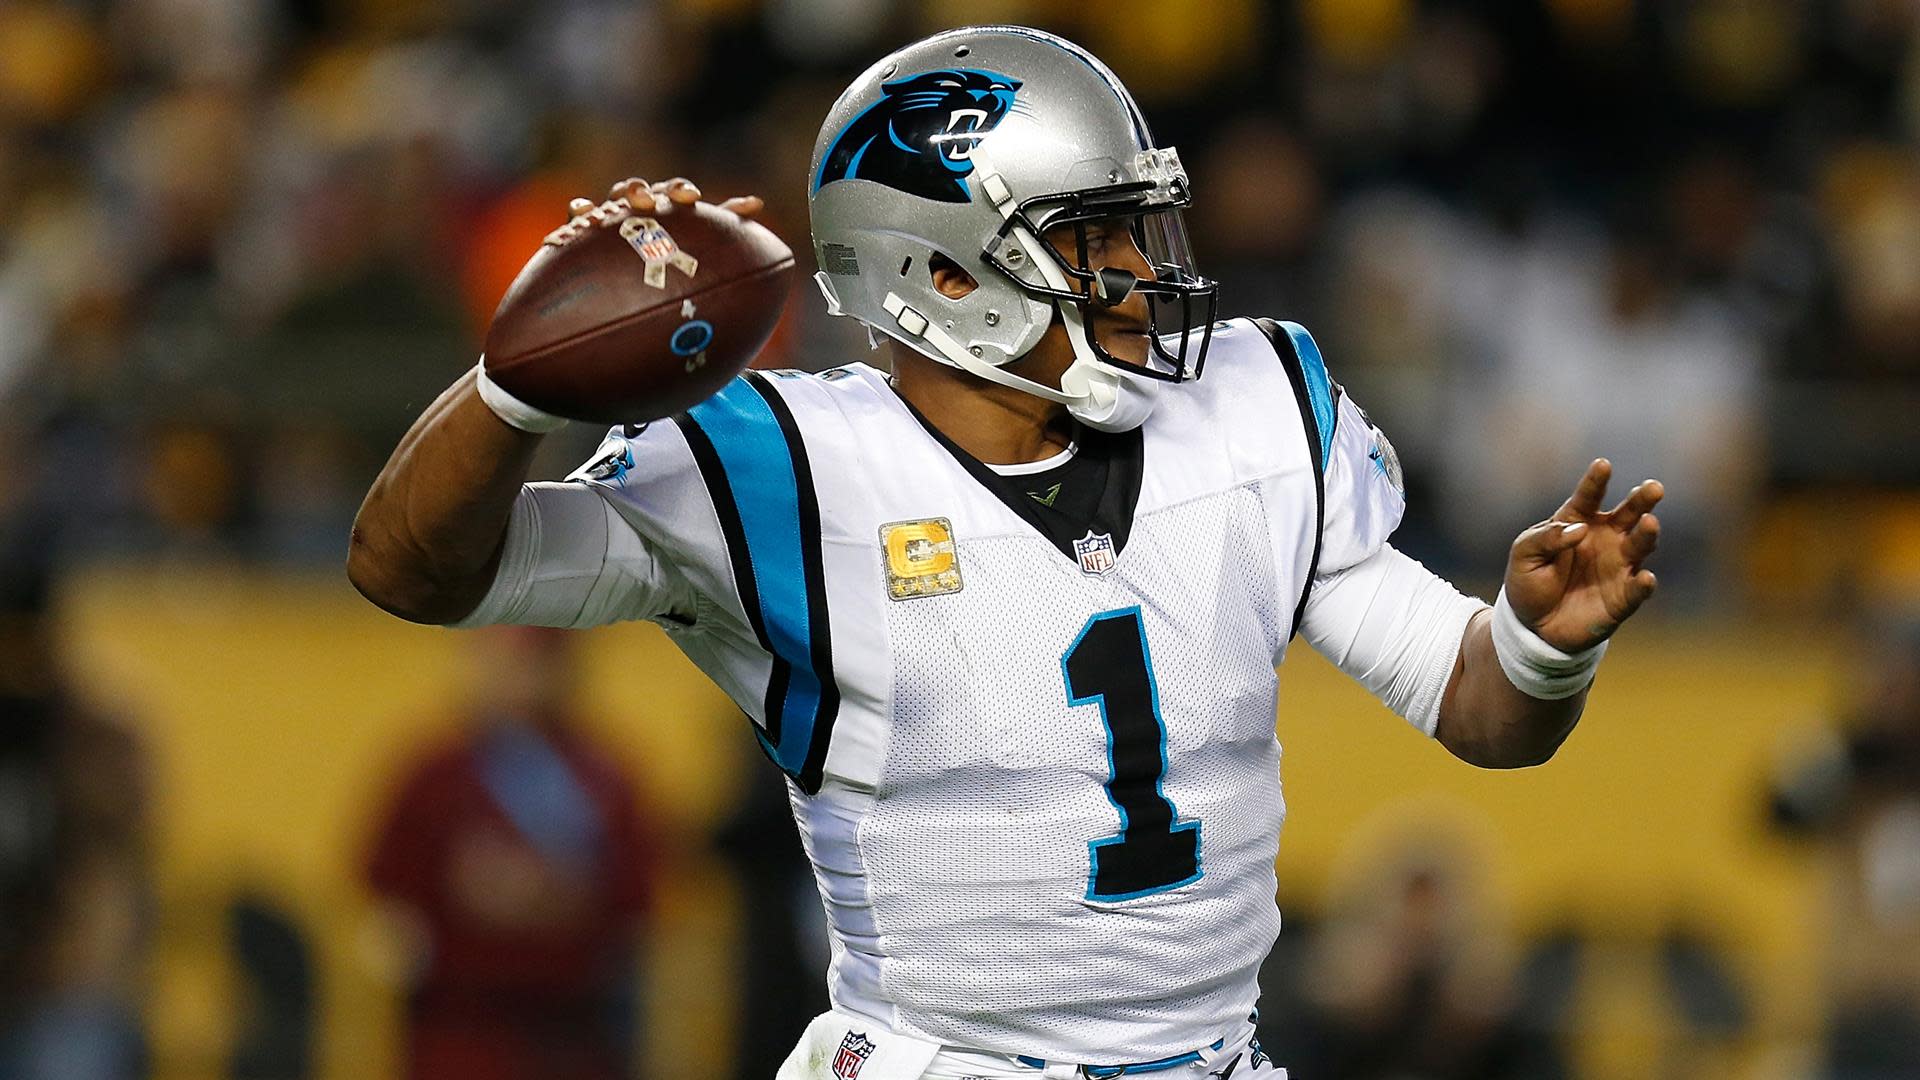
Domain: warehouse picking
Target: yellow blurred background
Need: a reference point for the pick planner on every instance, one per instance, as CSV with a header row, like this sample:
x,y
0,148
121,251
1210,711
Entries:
x,y
275,710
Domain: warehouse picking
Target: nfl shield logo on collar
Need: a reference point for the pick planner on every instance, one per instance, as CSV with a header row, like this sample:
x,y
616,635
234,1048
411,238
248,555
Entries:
x,y
852,1054
1095,551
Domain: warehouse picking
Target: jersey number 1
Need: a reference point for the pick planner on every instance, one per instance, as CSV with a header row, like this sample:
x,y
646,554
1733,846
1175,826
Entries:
x,y
1108,665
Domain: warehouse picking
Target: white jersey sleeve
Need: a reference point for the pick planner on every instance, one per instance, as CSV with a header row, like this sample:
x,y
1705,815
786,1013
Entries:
x,y
569,560
1382,618
620,539
1358,497
705,523
1363,495
1395,627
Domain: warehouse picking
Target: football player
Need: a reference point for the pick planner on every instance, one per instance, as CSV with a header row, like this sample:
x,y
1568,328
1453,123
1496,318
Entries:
x,y
1008,617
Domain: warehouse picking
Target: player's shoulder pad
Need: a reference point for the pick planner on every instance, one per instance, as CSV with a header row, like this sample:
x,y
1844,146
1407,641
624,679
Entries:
x,y
745,427
746,436
1313,388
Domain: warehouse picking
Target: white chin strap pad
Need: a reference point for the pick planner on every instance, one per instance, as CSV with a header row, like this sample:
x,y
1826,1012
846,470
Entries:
x,y
1105,397
1114,400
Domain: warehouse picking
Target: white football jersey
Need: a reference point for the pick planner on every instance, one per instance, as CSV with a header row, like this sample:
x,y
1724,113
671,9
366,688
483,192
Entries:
x,y
1037,777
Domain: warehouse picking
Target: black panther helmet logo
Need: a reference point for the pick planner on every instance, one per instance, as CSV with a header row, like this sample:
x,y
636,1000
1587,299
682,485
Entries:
x,y
919,137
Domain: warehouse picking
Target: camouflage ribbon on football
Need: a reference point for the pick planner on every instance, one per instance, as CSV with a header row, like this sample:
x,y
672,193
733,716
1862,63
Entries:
x,y
655,245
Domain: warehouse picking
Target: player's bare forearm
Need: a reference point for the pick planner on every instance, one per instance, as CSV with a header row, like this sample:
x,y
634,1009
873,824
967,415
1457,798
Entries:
x,y
427,538
1571,581
1486,721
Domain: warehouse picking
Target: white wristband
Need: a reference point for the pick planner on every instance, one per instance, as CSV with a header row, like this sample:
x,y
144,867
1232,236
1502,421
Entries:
x,y
1534,667
512,410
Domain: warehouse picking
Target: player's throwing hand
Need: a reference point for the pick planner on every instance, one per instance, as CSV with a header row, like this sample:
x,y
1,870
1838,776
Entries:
x,y
1575,577
679,190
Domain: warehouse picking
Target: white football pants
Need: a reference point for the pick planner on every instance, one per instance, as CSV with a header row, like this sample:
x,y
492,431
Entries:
x,y
840,1047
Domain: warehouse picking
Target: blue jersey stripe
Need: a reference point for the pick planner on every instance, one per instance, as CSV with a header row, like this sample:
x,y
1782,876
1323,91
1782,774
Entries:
x,y
1319,387
762,477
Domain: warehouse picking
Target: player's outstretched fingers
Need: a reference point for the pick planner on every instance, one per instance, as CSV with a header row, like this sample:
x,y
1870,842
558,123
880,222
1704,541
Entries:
x,y
633,189
679,190
1585,500
1644,497
745,205
1544,542
1644,537
1639,588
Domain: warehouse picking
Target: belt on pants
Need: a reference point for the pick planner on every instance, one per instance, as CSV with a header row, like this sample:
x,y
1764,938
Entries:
x,y
1108,1072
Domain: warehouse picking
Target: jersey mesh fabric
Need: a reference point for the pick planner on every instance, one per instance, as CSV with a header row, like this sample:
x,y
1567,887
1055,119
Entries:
x,y
962,788
976,846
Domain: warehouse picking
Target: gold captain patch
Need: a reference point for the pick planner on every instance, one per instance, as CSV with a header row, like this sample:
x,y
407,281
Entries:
x,y
921,559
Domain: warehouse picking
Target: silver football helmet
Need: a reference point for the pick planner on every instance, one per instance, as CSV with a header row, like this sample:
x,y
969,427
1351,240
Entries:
x,y
971,144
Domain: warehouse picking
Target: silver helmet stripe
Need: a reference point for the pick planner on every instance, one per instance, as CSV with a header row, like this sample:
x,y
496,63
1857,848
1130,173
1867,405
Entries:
x,y
1140,129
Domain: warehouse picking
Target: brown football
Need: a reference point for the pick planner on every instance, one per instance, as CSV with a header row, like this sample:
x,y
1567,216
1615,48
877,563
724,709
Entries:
x,y
633,316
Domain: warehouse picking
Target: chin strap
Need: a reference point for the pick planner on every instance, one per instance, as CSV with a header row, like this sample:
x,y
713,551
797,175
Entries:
x,y
914,324
1091,391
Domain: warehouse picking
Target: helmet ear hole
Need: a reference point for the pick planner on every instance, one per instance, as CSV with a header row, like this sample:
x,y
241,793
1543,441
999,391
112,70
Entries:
x,y
949,280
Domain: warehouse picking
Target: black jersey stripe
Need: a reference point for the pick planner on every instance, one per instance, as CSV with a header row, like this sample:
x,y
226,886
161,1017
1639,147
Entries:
x,y
758,476
740,556
1310,428
721,492
813,565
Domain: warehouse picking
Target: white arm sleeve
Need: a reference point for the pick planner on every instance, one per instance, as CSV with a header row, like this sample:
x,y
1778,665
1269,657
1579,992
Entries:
x,y
572,561
1393,625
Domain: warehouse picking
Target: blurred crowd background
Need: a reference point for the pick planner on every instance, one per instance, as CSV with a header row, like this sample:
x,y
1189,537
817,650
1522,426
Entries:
x,y
243,242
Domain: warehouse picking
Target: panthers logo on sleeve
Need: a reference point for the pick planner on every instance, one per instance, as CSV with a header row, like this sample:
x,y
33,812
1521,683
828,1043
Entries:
x,y
919,137
610,464
1387,460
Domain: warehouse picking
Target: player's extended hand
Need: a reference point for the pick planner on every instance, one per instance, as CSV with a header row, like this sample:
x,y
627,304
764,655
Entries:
x,y
635,192
1575,577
